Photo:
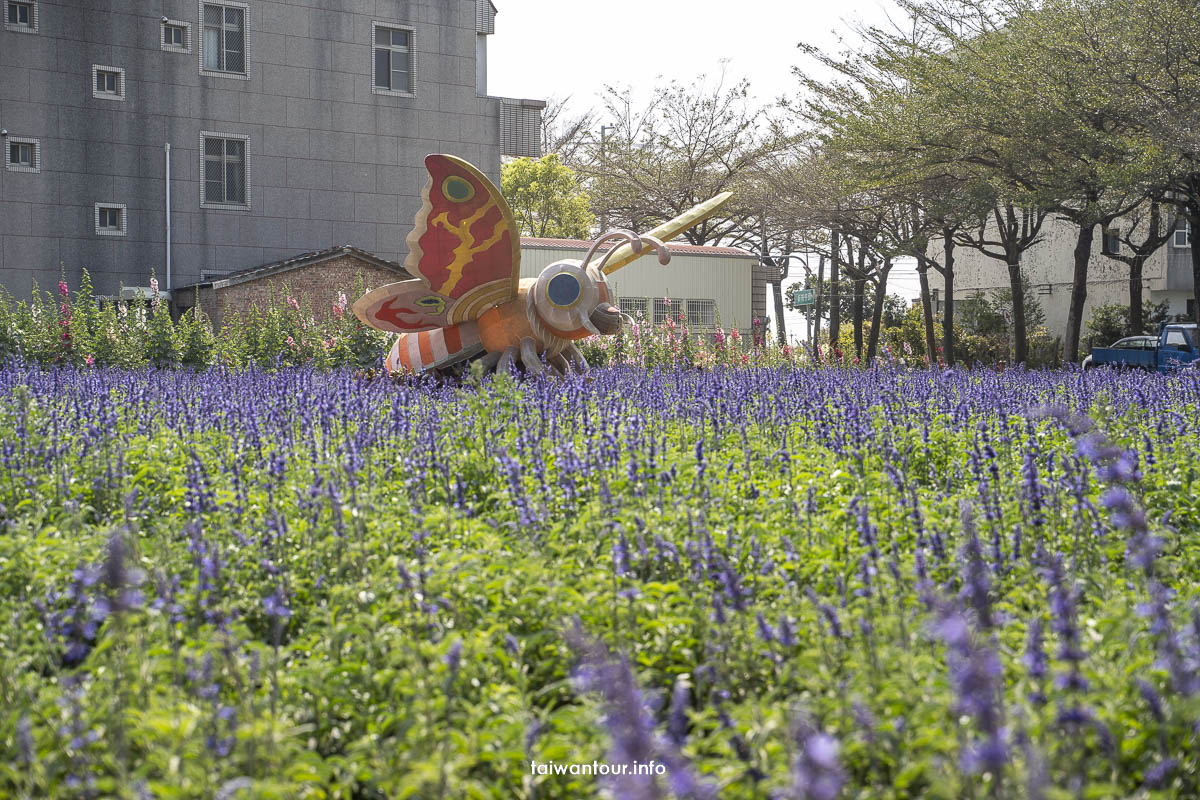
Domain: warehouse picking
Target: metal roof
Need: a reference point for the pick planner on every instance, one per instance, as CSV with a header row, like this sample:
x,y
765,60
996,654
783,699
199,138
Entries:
x,y
301,260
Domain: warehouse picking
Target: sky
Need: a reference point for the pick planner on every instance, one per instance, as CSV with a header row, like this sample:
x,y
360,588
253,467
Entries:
x,y
573,48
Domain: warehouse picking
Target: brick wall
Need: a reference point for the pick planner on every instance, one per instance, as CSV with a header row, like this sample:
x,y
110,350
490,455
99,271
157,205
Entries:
x,y
318,284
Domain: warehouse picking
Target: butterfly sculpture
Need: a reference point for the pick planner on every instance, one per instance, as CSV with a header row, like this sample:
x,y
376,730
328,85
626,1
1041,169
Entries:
x,y
468,297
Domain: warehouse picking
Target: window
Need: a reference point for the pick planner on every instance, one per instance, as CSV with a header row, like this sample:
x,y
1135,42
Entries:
x,y
1112,241
485,17
636,307
702,313
20,155
24,155
176,36
21,15
394,64
108,83
1176,340
223,39
110,219
1183,234
225,171
521,128
665,308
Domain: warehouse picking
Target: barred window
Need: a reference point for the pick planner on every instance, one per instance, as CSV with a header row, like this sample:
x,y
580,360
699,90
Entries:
x,y
520,129
21,16
485,17
636,307
664,309
20,155
393,59
108,83
24,155
225,172
223,47
176,36
702,313
110,219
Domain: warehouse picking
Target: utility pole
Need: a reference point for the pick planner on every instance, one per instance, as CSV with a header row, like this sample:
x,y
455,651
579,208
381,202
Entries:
x,y
818,297
604,129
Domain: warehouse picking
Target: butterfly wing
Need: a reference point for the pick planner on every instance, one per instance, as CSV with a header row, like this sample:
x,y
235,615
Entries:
x,y
403,307
465,245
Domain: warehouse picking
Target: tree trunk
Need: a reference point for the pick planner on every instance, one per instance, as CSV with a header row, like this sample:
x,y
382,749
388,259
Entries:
x,y
1083,254
835,302
927,311
779,313
877,311
859,286
818,301
948,302
1137,323
1017,285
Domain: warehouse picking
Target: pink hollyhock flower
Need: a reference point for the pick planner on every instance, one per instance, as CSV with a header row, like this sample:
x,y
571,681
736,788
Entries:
x,y
292,302
62,288
90,360
154,285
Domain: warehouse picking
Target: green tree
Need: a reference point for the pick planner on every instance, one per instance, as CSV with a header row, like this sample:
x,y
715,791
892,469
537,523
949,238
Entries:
x,y
546,198
1112,322
687,144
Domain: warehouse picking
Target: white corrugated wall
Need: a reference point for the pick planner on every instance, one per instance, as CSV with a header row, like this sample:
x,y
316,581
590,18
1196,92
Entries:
x,y
722,278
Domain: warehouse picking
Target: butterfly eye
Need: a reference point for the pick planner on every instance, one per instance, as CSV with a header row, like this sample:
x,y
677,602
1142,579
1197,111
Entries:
x,y
563,289
457,190
432,303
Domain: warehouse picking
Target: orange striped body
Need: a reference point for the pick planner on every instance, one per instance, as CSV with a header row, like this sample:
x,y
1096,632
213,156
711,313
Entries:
x,y
496,329
507,324
440,347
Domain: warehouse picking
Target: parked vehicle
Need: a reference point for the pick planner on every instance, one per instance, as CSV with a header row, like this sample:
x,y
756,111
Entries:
x,y
1176,345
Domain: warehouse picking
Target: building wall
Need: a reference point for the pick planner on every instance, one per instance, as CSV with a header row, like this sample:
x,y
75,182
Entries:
x,y
331,162
317,284
723,278
1049,267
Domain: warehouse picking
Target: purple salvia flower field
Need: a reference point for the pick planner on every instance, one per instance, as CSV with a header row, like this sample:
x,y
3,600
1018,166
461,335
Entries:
x,y
773,582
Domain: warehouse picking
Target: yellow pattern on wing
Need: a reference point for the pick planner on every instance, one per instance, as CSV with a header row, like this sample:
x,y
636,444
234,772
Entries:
x,y
467,247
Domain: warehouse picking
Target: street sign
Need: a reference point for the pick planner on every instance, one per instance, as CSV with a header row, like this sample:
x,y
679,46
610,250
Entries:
x,y
804,297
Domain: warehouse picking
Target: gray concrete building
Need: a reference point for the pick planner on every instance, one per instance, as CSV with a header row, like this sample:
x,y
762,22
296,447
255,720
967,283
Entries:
x,y
288,126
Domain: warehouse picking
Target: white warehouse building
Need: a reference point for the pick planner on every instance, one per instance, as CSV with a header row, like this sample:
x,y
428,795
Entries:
x,y
711,286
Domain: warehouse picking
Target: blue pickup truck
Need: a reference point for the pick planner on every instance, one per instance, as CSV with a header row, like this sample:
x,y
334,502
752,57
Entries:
x,y
1175,346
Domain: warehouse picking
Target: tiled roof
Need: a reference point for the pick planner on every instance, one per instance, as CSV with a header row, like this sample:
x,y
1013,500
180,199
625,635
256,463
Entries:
x,y
300,260
676,247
